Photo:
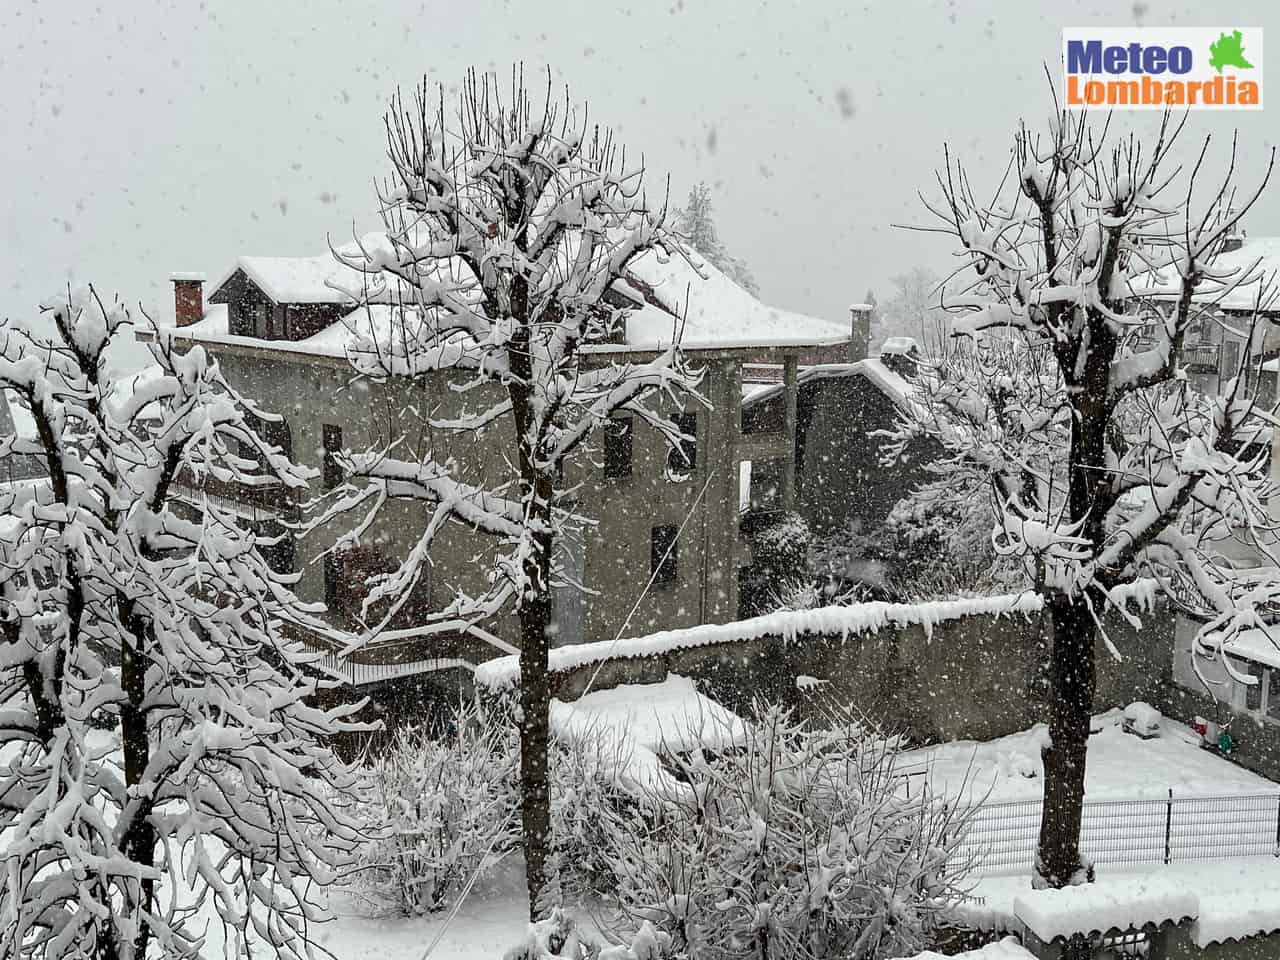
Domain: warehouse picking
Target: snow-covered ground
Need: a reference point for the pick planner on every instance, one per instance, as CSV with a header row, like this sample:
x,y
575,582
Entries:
x,y
492,920
1119,766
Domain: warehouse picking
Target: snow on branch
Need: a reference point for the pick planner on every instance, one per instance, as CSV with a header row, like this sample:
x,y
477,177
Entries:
x,y
1065,391
508,226
153,709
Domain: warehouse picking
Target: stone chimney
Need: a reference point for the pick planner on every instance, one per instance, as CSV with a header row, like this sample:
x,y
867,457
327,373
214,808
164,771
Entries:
x,y
188,297
1236,236
860,330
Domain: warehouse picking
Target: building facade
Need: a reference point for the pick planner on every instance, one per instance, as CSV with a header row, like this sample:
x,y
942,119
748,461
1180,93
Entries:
x,y
280,328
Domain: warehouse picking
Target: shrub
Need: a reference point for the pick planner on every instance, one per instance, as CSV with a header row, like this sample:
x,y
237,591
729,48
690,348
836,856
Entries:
x,y
444,804
441,808
801,844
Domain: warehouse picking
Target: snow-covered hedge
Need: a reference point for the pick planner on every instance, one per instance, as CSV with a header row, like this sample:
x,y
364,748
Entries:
x,y
441,809
801,844
791,625
444,805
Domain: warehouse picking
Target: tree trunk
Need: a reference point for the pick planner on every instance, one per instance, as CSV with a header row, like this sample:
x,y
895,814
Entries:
x,y
140,840
535,723
1058,860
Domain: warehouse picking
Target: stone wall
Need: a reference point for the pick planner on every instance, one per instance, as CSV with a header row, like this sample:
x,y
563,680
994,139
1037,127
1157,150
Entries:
x,y
974,677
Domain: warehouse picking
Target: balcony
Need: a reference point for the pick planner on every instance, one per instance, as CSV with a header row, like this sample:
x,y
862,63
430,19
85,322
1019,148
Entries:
x,y
254,498
1202,357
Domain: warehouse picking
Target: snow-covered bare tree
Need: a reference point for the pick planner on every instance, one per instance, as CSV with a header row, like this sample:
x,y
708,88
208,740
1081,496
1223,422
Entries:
x,y
1111,478
695,225
160,763
507,228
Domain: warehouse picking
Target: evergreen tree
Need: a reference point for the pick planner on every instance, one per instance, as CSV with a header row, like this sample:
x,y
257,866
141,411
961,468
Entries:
x,y
694,223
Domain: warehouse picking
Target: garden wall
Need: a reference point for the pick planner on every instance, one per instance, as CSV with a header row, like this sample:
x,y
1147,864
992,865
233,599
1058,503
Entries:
x,y
964,670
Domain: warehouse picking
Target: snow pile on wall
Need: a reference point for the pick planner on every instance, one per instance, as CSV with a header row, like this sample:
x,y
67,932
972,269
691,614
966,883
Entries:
x,y
790,625
1110,903
1006,949
1229,899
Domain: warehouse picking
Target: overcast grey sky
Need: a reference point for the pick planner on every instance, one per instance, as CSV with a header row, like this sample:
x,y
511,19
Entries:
x,y
144,137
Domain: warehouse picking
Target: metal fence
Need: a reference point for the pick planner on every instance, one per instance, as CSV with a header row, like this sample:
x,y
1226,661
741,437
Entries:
x,y
1002,835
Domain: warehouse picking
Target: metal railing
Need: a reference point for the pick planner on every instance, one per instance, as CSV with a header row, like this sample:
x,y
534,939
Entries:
x,y
361,674
1002,836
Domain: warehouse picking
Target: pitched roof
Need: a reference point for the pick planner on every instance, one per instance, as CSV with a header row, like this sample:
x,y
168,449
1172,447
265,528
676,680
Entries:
x,y
1256,262
670,294
319,279
891,384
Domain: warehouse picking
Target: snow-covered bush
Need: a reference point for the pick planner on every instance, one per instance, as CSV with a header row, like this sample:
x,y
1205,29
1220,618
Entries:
x,y
442,808
801,844
558,937
589,806
444,805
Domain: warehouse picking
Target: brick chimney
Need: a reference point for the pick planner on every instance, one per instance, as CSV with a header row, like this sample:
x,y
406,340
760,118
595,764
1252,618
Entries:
x,y
188,297
860,330
1236,235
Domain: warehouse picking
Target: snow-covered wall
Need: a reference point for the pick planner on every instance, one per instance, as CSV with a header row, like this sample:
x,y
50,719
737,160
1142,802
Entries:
x,y
791,626
965,669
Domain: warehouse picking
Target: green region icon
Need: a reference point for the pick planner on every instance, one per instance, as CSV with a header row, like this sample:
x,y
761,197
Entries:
x,y
1228,51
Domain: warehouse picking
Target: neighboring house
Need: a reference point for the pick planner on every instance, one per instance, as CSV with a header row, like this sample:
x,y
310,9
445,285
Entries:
x,y
1219,338
280,329
16,421
840,473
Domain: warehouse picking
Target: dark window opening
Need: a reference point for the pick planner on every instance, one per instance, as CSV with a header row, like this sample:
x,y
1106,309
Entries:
x,y
663,554
1253,692
332,470
682,457
332,574
282,554
617,448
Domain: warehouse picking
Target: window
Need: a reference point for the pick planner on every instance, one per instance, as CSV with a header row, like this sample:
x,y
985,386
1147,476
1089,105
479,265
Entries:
x,y
332,574
617,448
1230,357
1273,694
682,458
1253,693
278,434
1262,697
282,554
332,470
663,554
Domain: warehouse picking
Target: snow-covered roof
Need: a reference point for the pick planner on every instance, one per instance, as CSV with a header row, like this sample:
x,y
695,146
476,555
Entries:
x,y
1099,907
1258,645
1121,767
319,279
1258,258
24,425
669,293
714,310
891,384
